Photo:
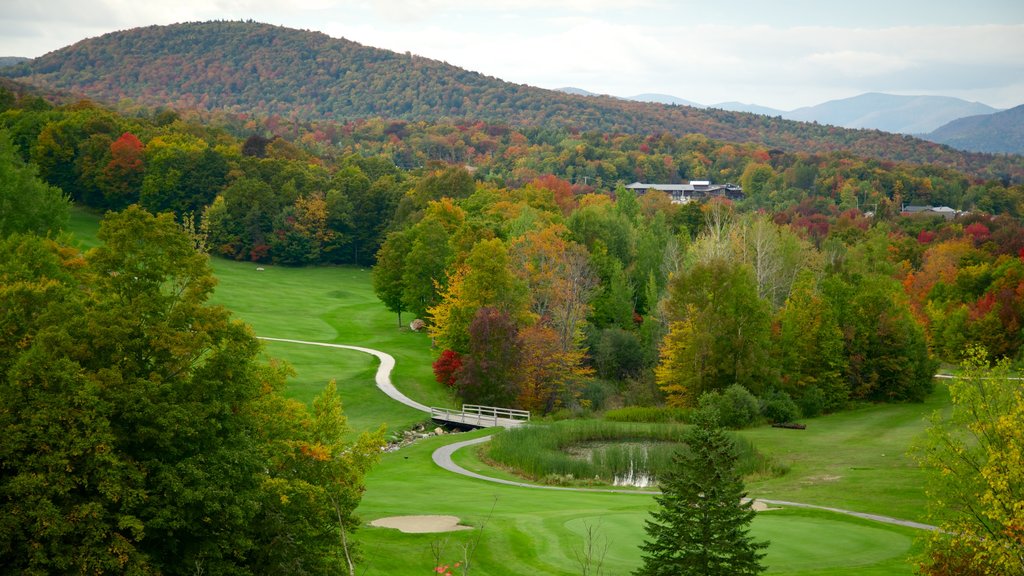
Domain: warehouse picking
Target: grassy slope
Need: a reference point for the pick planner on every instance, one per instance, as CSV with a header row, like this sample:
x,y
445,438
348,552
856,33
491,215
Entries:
x,y
536,531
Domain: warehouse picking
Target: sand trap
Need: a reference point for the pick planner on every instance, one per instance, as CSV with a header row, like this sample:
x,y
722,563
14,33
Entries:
x,y
421,524
759,506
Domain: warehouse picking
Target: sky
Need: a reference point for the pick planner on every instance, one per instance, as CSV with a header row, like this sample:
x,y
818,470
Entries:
x,y
778,53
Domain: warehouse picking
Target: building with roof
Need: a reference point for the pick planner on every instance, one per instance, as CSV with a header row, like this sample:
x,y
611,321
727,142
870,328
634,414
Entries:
x,y
692,191
944,211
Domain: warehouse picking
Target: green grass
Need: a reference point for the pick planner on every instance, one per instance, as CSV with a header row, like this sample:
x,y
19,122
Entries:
x,y
84,224
334,305
535,531
855,460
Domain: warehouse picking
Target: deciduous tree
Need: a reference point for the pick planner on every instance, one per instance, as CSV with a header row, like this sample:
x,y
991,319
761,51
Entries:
x,y
977,473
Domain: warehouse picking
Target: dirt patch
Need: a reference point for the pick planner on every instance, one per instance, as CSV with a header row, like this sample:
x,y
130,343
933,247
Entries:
x,y
759,506
421,524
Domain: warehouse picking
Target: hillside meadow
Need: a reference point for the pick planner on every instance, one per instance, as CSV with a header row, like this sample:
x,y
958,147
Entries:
x,y
855,460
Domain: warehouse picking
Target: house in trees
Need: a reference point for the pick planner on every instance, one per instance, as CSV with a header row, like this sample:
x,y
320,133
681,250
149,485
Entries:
x,y
692,191
944,211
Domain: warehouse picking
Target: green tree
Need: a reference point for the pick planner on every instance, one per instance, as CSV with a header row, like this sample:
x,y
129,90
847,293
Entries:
x,y
389,272
27,204
809,347
702,523
976,486
486,280
141,433
719,333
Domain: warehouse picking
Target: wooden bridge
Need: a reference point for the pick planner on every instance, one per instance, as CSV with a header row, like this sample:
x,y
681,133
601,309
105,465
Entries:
x,y
476,416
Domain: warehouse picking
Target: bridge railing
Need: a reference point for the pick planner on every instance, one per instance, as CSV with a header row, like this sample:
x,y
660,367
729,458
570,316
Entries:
x,y
507,413
477,415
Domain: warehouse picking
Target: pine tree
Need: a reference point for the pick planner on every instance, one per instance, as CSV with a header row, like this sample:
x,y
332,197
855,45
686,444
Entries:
x,y
702,524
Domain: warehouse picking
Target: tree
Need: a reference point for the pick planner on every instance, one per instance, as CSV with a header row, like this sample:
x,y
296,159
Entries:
x,y
718,335
485,280
27,204
141,432
976,486
389,272
702,523
490,371
809,347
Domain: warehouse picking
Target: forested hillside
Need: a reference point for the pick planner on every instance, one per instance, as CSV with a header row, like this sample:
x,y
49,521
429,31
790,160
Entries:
x,y
249,68
513,266
1002,132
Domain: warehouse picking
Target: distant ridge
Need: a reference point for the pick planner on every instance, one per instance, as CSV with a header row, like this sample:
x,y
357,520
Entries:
x,y
899,114
664,99
1002,132
6,61
576,91
751,108
252,68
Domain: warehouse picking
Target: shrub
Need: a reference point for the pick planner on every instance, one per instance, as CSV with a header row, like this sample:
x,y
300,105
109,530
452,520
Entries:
x,y
736,406
812,403
777,407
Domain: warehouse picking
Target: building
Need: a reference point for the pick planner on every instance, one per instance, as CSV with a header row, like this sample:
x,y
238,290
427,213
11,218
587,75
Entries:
x,y
944,211
693,191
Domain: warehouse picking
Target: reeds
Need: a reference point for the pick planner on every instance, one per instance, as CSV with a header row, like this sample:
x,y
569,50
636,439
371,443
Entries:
x,y
600,452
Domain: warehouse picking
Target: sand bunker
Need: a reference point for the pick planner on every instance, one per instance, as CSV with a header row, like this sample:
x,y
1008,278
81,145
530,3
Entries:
x,y
759,506
421,524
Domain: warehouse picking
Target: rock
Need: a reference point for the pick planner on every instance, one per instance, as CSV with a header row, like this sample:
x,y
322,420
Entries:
x,y
439,431
417,325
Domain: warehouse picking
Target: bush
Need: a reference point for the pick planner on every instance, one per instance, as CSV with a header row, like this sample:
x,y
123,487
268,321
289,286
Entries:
x,y
812,403
596,393
736,406
778,407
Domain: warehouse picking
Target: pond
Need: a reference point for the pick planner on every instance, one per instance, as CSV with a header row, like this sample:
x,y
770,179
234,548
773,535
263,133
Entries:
x,y
626,463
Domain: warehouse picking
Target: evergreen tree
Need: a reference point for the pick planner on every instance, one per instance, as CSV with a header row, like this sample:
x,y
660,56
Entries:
x,y
702,524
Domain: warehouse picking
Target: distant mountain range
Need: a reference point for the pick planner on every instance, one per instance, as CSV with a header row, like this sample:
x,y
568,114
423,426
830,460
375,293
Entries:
x,y
1002,132
935,118
875,111
249,68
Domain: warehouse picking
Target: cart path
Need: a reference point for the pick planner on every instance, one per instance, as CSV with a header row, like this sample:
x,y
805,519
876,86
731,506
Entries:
x,y
443,455
443,458
383,377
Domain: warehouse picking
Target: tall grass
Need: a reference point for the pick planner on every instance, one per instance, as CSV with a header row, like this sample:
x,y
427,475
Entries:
x,y
648,414
601,452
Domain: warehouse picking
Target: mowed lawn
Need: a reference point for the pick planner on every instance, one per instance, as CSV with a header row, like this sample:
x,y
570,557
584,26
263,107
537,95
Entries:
x,y
855,460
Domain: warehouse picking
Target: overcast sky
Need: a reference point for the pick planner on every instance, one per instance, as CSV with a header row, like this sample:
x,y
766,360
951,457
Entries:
x,y
779,53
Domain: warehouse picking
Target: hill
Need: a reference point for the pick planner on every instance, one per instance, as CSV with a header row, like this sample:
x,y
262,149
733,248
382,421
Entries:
x,y
6,61
251,68
1002,132
891,113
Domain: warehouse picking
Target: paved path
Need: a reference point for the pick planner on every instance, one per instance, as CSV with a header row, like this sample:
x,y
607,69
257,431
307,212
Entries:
x,y
443,455
443,458
383,378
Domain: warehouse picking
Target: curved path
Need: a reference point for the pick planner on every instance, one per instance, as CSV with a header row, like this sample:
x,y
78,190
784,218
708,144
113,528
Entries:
x,y
383,377
443,458
443,455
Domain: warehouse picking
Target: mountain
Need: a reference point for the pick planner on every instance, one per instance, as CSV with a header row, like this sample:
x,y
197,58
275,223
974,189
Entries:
x,y
245,68
664,99
900,114
751,108
1002,132
6,61
576,91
